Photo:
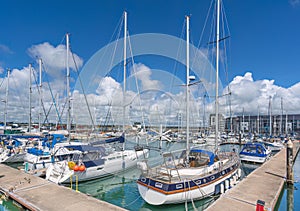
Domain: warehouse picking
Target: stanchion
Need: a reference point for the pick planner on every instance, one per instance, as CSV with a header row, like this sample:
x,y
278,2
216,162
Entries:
x,y
76,178
71,185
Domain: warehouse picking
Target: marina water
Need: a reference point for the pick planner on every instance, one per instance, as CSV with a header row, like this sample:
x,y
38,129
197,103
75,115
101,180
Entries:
x,y
121,189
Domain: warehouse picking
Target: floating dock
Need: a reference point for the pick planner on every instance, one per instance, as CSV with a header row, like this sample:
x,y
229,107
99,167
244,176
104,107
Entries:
x,y
264,183
36,194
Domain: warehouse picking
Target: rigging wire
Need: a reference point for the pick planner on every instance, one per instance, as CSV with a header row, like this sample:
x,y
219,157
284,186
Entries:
x,y
136,81
85,98
39,92
53,99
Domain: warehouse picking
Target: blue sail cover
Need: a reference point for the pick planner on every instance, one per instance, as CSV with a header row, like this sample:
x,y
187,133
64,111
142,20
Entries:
x,y
119,139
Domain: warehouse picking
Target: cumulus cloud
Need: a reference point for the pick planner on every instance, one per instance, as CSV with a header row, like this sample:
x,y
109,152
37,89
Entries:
x,y
254,96
108,87
53,89
54,58
143,73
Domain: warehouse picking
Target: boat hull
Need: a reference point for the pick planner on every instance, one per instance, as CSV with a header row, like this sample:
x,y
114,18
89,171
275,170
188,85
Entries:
x,y
111,166
254,159
157,196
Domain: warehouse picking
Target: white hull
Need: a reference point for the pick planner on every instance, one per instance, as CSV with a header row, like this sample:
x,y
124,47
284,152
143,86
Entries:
x,y
254,159
60,172
157,198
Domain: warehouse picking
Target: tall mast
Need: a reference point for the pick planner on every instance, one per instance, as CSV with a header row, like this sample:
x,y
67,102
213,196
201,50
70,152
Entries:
x,y
68,86
40,93
270,116
124,72
258,121
217,75
281,105
30,91
187,82
6,99
286,124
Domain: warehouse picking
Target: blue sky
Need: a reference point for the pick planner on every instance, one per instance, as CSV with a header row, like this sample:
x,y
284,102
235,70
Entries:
x,y
264,43
264,34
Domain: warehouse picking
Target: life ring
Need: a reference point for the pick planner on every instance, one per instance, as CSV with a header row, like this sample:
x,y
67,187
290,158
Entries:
x,y
71,164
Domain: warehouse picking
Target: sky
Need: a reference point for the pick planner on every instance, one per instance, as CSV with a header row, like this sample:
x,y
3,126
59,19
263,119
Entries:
x,y
263,56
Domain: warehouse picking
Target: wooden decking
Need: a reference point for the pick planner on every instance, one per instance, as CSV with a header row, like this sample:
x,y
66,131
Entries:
x,y
265,183
36,193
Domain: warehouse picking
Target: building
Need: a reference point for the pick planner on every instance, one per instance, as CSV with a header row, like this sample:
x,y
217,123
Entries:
x,y
212,122
286,124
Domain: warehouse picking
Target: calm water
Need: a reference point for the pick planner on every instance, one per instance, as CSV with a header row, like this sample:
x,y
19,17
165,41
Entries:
x,y
122,190
291,195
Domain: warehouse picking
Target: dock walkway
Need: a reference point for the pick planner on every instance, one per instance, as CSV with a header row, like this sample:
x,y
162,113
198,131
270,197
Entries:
x,y
36,193
265,183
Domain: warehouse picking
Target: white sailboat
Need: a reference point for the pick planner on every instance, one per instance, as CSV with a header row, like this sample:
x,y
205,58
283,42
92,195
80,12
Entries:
x,y
91,162
197,173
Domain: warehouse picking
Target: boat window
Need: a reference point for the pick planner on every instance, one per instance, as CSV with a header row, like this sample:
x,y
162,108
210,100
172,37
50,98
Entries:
x,y
250,149
259,150
178,186
112,158
44,158
198,182
158,185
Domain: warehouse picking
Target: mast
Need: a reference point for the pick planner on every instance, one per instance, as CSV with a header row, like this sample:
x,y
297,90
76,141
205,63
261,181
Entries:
x,y
286,124
30,91
270,116
187,82
243,124
68,87
40,93
281,105
217,76
258,122
124,72
6,99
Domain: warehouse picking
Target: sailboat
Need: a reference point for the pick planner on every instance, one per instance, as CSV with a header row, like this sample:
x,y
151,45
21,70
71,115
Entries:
x,y
97,160
197,173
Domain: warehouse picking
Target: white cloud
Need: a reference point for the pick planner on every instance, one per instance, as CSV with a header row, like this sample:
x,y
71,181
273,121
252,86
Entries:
x,y
108,87
143,73
54,58
251,96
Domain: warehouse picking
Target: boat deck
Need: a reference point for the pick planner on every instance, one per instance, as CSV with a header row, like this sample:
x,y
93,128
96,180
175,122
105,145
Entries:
x,y
265,183
36,193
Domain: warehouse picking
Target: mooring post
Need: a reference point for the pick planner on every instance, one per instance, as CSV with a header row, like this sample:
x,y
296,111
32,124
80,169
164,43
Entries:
x,y
289,162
